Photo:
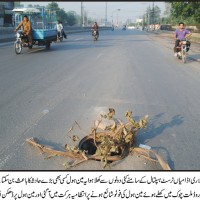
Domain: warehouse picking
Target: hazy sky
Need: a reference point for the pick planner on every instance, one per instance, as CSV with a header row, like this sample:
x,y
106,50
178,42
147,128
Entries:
x,y
128,10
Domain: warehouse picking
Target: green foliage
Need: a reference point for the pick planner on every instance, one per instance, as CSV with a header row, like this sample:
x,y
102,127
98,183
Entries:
x,y
72,18
166,20
53,6
188,12
153,15
17,4
61,14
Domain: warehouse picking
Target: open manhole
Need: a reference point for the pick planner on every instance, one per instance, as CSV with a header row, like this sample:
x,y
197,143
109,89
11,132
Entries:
x,y
107,142
87,144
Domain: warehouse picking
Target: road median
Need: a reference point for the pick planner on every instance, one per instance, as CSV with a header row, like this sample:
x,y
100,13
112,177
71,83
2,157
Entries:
x,y
7,34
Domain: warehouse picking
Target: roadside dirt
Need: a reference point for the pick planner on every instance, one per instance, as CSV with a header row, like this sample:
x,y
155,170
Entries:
x,y
166,39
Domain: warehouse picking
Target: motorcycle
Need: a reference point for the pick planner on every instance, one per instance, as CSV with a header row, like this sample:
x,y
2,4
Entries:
x,y
95,34
21,41
183,48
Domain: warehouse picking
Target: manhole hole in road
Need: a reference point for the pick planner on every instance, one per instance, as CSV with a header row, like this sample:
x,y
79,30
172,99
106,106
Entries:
x,y
88,145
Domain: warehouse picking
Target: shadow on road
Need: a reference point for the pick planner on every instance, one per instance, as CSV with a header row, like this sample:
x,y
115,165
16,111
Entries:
x,y
53,145
153,130
65,48
194,57
167,156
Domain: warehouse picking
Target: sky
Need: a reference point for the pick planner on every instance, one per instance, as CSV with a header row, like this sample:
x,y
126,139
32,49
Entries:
x,y
115,10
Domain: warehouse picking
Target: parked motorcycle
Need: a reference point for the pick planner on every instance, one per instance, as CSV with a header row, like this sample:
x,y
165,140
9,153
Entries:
x,y
95,34
21,41
183,48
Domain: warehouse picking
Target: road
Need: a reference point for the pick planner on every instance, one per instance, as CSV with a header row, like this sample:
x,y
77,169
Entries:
x,y
44,91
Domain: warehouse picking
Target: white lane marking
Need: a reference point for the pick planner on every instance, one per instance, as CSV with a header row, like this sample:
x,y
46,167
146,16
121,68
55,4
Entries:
x,y
99,55
45,111
6,159
17,146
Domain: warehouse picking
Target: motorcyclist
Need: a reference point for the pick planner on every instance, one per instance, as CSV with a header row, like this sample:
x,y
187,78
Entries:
x,y
63,32
59,27
180,34
26,29
95,27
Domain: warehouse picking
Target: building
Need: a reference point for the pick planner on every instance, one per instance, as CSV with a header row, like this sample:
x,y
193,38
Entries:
x,y
6,14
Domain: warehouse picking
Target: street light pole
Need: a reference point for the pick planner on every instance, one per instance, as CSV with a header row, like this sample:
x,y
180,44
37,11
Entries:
x,y
117,17
149,18
106,15
81,13
82,16
153,17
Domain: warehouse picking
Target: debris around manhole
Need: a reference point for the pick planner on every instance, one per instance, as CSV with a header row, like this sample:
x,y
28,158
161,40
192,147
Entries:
x,y
107,142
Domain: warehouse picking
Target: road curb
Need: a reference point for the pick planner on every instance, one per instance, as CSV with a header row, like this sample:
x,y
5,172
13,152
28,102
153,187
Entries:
x,y
7,40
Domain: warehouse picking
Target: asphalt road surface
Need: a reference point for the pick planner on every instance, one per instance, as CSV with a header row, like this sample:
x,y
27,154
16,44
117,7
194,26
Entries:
x,y
42,93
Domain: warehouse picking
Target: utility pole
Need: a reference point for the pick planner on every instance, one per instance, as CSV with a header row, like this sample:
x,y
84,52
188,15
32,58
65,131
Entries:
x,y
153,17
117,18
106,15
82,16
81,13
148,16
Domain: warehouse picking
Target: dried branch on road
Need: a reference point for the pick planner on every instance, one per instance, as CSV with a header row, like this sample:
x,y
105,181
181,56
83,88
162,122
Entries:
x,y
107,142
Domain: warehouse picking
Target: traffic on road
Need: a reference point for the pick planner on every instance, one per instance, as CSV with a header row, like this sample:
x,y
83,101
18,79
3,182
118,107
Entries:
x,y
43,91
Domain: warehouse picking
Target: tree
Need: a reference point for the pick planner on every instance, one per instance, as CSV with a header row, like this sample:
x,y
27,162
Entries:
x,y
71,18
30,5
166,19
53,6
167,11
156,15
61,14
37,6
153,15
18,4
188,12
